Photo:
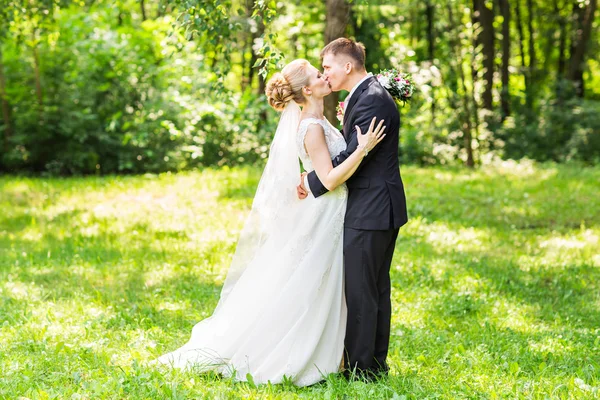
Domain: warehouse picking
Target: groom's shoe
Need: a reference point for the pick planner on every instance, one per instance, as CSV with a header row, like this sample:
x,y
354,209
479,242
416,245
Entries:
x,y
367,375
378,374
349,375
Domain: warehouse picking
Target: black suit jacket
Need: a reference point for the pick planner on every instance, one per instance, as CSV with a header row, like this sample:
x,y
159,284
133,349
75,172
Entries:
x,y
376,199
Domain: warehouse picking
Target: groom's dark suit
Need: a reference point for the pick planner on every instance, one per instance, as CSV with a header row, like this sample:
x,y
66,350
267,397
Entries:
x,y
375,211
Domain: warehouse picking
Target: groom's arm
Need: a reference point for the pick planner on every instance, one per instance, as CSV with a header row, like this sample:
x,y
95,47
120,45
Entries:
x,y
363,120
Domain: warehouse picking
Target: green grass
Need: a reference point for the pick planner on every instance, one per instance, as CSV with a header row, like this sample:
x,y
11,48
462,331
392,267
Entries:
x,y
495,284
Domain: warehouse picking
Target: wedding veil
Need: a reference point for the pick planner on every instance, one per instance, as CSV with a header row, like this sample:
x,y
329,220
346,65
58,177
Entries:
x,y
270,224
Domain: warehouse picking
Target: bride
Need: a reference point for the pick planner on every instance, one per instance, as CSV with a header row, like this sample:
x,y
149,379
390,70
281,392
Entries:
x,y
282,311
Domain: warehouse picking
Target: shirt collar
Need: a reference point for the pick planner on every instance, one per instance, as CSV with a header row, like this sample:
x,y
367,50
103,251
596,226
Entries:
x,y
356,87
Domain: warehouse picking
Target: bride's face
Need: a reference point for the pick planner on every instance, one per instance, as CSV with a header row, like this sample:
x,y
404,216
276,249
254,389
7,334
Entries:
x,y
317,83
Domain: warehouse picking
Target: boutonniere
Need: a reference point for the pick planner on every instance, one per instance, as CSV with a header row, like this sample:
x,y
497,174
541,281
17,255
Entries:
x,y
340,111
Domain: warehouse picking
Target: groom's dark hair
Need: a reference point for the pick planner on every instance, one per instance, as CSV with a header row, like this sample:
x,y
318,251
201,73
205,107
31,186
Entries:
x,y
350,48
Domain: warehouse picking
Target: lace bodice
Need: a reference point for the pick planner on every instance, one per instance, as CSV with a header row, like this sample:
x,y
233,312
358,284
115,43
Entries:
x,y
334,139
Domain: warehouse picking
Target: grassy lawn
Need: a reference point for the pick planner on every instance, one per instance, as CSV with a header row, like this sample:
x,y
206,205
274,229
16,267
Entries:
x,y
496,289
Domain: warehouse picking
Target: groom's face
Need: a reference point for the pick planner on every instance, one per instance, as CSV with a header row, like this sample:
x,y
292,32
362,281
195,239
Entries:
x,y
335,69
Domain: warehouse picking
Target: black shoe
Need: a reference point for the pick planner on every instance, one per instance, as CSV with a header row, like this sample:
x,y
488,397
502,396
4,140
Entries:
x,y
378,374
367,375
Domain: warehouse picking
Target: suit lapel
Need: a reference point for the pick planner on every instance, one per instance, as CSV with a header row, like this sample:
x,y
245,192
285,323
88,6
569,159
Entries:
x,y
357,93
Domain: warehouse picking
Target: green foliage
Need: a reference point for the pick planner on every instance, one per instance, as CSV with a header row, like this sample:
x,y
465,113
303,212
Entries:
x,y
494,293
95,88
230,135
92,99
563,131
124,99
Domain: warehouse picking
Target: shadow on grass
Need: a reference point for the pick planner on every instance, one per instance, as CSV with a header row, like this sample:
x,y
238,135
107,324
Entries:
x,y
503,360
556,306
558,291
108,270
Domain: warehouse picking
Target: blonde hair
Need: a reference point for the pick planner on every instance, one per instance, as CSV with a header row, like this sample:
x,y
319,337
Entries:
x,y
287,85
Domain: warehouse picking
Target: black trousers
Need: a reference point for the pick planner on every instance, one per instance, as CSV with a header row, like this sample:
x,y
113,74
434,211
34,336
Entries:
x,y
367,259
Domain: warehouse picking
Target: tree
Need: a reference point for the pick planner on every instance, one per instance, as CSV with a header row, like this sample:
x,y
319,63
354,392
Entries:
x,y
581,38
430,16
504,72
484,17
532,70
466,114
6,15
34,18
336,23
562,22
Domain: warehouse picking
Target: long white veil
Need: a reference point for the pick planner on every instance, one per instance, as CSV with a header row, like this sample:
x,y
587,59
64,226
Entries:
x,y
270,223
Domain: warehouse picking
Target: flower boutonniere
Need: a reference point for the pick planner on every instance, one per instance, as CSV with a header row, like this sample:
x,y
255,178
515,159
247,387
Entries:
x,y
340,111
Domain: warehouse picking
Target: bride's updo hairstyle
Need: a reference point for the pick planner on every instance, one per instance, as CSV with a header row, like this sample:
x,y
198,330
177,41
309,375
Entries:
x,y
287,85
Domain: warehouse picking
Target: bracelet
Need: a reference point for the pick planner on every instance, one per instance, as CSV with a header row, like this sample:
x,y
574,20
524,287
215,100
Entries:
x,y
365,149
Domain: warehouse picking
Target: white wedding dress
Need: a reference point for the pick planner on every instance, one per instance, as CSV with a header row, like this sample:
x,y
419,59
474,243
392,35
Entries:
x,y
282,311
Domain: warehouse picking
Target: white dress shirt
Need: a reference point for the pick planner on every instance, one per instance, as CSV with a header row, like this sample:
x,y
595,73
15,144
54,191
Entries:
x,y
354,89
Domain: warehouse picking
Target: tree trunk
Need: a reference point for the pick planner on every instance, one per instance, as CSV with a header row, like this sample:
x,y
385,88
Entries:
x,y
412,30
417,24
485,17
476,37
581,38
262,116
336,22
576,18
247,66
143,9
261,81
467,124
532,72
476,41
5,105
521,41
562,41
532,55
473,121
295,44
429,12
505,95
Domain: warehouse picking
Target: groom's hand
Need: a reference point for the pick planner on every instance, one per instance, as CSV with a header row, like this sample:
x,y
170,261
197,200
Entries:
x,y
302,192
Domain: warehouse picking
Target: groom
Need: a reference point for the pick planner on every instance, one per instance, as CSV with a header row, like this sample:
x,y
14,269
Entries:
x,y
375,211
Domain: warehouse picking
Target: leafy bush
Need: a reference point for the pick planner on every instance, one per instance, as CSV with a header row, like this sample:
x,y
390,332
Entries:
x,y
563,131
125,99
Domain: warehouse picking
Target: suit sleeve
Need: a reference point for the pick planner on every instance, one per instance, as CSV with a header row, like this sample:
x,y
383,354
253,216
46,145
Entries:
x,y
368,109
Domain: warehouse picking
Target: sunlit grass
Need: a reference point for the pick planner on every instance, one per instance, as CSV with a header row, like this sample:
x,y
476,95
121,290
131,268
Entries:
x,y
495,284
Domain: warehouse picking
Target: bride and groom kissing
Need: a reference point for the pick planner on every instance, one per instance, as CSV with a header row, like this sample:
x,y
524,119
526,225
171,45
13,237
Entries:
x,y
308,289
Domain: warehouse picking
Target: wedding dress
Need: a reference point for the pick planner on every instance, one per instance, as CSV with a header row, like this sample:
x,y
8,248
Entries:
x,y
282,311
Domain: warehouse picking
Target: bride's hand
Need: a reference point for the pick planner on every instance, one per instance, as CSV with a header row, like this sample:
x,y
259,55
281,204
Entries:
x,y
370,139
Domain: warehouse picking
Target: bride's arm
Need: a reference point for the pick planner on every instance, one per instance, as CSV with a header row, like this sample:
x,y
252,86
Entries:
x,y
317,150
